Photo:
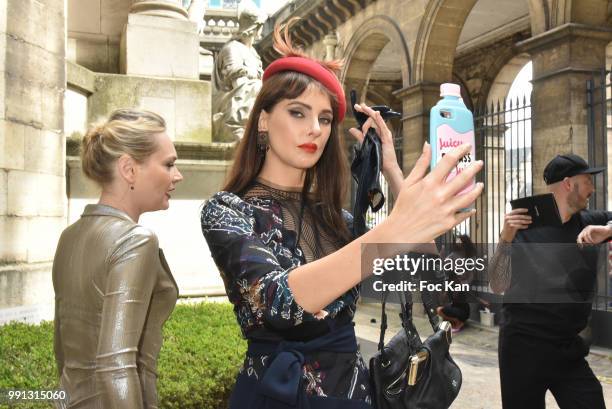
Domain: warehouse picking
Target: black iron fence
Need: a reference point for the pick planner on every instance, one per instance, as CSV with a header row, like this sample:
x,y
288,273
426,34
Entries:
x,y
599,89
599,132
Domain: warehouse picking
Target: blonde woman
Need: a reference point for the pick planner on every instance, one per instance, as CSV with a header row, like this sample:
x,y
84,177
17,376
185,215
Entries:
x,y
113,287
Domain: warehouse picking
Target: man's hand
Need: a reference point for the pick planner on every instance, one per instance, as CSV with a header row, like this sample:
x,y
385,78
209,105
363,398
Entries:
x,y
594,234
514,221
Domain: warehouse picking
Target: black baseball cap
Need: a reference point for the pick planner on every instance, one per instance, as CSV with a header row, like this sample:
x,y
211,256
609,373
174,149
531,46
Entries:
x,y
565,166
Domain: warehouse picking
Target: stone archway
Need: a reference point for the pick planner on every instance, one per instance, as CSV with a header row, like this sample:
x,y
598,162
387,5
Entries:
x,y
437,39
443,20
500,86
364,48
369,42
434,55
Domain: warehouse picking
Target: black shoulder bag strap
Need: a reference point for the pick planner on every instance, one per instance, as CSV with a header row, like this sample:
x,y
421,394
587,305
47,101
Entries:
x,y
406,304
414,341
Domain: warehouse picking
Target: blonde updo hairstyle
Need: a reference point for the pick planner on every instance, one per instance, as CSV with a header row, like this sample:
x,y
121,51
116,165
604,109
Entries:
x,y
127,132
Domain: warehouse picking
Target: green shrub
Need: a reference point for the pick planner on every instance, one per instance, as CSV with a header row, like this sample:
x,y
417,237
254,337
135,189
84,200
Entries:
x,y
26,360
197,366
202,352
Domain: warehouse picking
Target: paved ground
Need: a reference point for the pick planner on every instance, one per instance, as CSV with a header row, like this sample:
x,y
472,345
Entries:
x,y
475,350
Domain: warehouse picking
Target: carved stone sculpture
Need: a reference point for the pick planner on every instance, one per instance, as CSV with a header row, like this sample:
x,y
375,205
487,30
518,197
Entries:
x,y
196,12
237,76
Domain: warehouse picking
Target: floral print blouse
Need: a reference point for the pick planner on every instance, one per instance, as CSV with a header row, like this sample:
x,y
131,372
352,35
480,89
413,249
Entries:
x,y
256,239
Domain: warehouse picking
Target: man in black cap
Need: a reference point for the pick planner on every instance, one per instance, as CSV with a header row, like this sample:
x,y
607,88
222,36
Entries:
x,y
539,345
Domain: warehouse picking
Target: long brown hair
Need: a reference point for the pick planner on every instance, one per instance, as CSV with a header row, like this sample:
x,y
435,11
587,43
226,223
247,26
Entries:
x,y
326,183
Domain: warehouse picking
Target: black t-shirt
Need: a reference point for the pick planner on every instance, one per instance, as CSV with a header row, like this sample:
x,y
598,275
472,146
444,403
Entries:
x,y
552,279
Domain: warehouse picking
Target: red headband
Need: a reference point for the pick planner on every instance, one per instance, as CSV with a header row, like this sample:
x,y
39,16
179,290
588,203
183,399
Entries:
x,y
312,69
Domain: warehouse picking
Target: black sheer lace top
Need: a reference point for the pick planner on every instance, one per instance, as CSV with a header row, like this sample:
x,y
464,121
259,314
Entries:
x,y
298,216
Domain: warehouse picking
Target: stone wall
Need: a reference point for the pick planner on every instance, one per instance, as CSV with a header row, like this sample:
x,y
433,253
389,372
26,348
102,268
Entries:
x,y
184,104
32,154
94,33
32,149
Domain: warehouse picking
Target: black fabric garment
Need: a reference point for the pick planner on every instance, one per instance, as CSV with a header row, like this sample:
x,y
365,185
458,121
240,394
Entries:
x,y
366,169
539,346
529,367
548,256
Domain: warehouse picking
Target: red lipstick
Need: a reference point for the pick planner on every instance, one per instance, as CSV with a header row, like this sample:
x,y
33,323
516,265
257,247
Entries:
x,y
308,147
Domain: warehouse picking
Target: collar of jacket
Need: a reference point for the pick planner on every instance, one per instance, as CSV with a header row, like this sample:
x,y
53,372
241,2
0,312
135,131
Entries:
x,y
104,210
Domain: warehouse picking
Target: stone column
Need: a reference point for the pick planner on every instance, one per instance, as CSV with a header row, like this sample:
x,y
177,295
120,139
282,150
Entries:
x,y
160,41
417,100
32,149
160,8
563,59
330,41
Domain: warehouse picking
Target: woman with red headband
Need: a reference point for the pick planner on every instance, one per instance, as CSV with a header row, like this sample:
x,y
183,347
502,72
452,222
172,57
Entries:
x,y
282,242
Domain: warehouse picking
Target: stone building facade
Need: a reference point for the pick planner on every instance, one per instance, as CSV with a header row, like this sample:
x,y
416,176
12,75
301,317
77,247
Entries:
x,y
566,40
102,54
32,145
66,64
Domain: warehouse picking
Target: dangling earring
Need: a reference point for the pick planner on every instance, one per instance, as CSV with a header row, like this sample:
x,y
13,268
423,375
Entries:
x,y
262,142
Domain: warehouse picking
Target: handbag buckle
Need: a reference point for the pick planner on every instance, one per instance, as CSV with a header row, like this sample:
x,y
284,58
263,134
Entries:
x,y
447,328
416,361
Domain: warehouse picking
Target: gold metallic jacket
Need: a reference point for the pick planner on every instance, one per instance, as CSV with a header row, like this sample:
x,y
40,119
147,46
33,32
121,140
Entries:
x,y
113,293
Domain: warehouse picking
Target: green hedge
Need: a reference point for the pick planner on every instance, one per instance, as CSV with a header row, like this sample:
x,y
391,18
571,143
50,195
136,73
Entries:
x,y
197,366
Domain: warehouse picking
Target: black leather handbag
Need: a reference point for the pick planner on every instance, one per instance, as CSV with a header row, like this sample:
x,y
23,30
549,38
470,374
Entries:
x,y
410,374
